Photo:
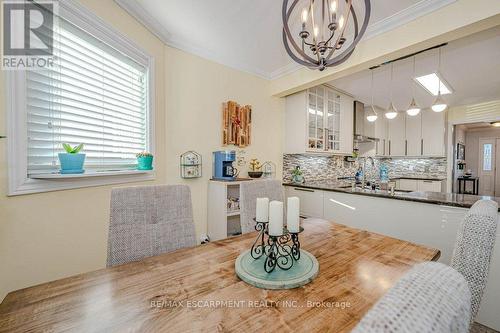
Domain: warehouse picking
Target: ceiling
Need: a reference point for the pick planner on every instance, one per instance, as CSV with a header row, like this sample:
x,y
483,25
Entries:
x,y
470,65
246,34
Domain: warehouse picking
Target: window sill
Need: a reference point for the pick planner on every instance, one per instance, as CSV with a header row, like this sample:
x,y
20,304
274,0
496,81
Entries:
x,y
40,183
88,174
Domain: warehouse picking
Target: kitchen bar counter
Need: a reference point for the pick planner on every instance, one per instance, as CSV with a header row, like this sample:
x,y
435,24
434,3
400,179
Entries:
x,y
438,198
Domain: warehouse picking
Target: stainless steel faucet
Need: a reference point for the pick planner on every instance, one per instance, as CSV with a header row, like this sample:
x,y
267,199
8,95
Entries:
x,y
363,167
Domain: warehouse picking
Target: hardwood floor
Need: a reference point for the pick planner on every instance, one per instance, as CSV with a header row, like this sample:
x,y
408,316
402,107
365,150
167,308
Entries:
x,y
478,328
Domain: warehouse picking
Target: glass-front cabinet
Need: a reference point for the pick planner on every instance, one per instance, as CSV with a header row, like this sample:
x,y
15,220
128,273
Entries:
x,y
323,119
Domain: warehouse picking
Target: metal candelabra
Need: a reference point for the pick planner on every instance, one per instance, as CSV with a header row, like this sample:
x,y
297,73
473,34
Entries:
x,y
281,251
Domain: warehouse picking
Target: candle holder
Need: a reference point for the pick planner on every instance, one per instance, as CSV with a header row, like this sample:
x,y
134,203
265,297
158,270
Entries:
x,y
277,249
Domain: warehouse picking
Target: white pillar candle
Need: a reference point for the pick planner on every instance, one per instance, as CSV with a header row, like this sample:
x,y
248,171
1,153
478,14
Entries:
x,y
262,213
276,218
292,214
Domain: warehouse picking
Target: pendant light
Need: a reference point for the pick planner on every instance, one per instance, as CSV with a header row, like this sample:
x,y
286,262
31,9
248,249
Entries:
x,y
413,109
372,114
391,111
439,104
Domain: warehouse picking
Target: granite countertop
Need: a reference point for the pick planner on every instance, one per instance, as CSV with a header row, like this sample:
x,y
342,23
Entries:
x,y
438,198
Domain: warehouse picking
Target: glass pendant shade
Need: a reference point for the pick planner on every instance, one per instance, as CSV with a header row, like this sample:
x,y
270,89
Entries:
x,y
413,109
439,105
391,112
372,115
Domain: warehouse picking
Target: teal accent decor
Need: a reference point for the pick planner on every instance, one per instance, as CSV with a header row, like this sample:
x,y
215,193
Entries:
x,y
145,163
71,163
252,272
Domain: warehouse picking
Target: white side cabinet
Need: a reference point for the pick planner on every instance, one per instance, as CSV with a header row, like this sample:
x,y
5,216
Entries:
x,y
397,136
311,201
319,120
433,132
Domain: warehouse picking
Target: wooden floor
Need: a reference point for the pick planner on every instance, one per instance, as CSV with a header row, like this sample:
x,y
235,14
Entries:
x,y
478,328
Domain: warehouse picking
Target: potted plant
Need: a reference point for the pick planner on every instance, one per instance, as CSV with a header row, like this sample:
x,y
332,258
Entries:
x,y
72,160
297,176
144,161
255,167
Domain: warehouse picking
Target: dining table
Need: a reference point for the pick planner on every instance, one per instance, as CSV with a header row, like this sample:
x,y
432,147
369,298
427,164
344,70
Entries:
x,y
196,289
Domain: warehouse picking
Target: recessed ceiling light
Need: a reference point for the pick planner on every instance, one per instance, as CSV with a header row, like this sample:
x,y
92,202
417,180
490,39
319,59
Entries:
x,y
430,82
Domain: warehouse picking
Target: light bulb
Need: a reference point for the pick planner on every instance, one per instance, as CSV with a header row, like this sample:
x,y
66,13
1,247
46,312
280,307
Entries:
x,y
341,21
304,15
439,105
333,6
316,31
371,118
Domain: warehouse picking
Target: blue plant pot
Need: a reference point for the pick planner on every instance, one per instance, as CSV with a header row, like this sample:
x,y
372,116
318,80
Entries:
x,y
71,163
145,163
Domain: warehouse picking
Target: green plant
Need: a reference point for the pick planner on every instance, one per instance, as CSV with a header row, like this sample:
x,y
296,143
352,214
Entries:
x,y
144,154
297,171
72,150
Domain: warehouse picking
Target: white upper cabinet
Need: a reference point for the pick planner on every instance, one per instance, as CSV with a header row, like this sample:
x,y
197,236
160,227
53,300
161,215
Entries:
x,y
397,136
414,135
319,120
433,132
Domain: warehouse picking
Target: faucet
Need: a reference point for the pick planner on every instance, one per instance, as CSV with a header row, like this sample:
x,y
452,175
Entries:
x,y
363,167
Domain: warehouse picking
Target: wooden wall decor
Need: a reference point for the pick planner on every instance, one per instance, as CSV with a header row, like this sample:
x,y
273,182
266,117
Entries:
x,y
236,124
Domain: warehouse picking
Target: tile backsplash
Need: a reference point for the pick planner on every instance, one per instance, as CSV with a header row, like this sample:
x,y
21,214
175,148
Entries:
x,y
332,167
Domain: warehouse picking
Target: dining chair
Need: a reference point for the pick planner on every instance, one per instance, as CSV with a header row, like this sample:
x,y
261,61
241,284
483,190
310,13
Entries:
x,y
431,297
149,220
249,192
474,247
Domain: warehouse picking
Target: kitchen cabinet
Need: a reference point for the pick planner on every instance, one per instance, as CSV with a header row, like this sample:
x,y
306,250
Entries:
x,y
414,135
319,120
433,133
382,146
397,136
407,185
311,201
429,185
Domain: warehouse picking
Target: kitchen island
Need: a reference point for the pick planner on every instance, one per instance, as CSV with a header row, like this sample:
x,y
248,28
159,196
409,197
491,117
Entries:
x,y
427,218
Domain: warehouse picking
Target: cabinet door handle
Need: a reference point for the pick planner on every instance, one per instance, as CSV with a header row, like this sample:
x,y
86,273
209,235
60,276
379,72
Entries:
x,y
428,181
384,148
389,147
406,147
303,189
421,146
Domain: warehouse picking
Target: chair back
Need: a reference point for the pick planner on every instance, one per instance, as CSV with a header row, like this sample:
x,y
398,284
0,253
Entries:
x,y
149,220
431,297
474,247
249,192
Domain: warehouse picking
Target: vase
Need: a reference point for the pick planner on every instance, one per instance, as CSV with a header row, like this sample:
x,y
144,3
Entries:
x,y
298,179
145,163
255,174
71,163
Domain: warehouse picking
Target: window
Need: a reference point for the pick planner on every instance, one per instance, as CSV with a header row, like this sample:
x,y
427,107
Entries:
x,y
487,148
93,95
97,93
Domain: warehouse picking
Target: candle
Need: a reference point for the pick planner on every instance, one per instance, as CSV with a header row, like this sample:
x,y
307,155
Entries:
x,y
262,213
292,214
276,218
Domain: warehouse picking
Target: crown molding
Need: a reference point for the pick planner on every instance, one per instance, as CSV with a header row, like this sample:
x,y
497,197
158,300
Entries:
x,y
396,20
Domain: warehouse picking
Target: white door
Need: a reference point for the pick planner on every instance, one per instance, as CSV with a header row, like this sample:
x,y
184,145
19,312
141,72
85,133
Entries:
x,y
433,129
497,172
414,135
397,136
486,167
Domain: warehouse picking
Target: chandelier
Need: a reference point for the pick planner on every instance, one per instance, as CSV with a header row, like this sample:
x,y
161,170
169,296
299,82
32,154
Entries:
x,y
322,40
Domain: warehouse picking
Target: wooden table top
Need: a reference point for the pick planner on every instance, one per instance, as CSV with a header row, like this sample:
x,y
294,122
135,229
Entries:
x,y
196,289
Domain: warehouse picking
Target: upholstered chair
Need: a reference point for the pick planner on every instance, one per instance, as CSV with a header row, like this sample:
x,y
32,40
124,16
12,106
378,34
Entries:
x,y
249,192
431,297
474,247
149,220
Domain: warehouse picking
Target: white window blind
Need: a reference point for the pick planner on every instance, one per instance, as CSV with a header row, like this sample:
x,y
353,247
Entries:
x,y
93,95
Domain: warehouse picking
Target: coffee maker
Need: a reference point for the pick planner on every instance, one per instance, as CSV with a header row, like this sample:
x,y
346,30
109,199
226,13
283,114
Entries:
x,y
223,165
